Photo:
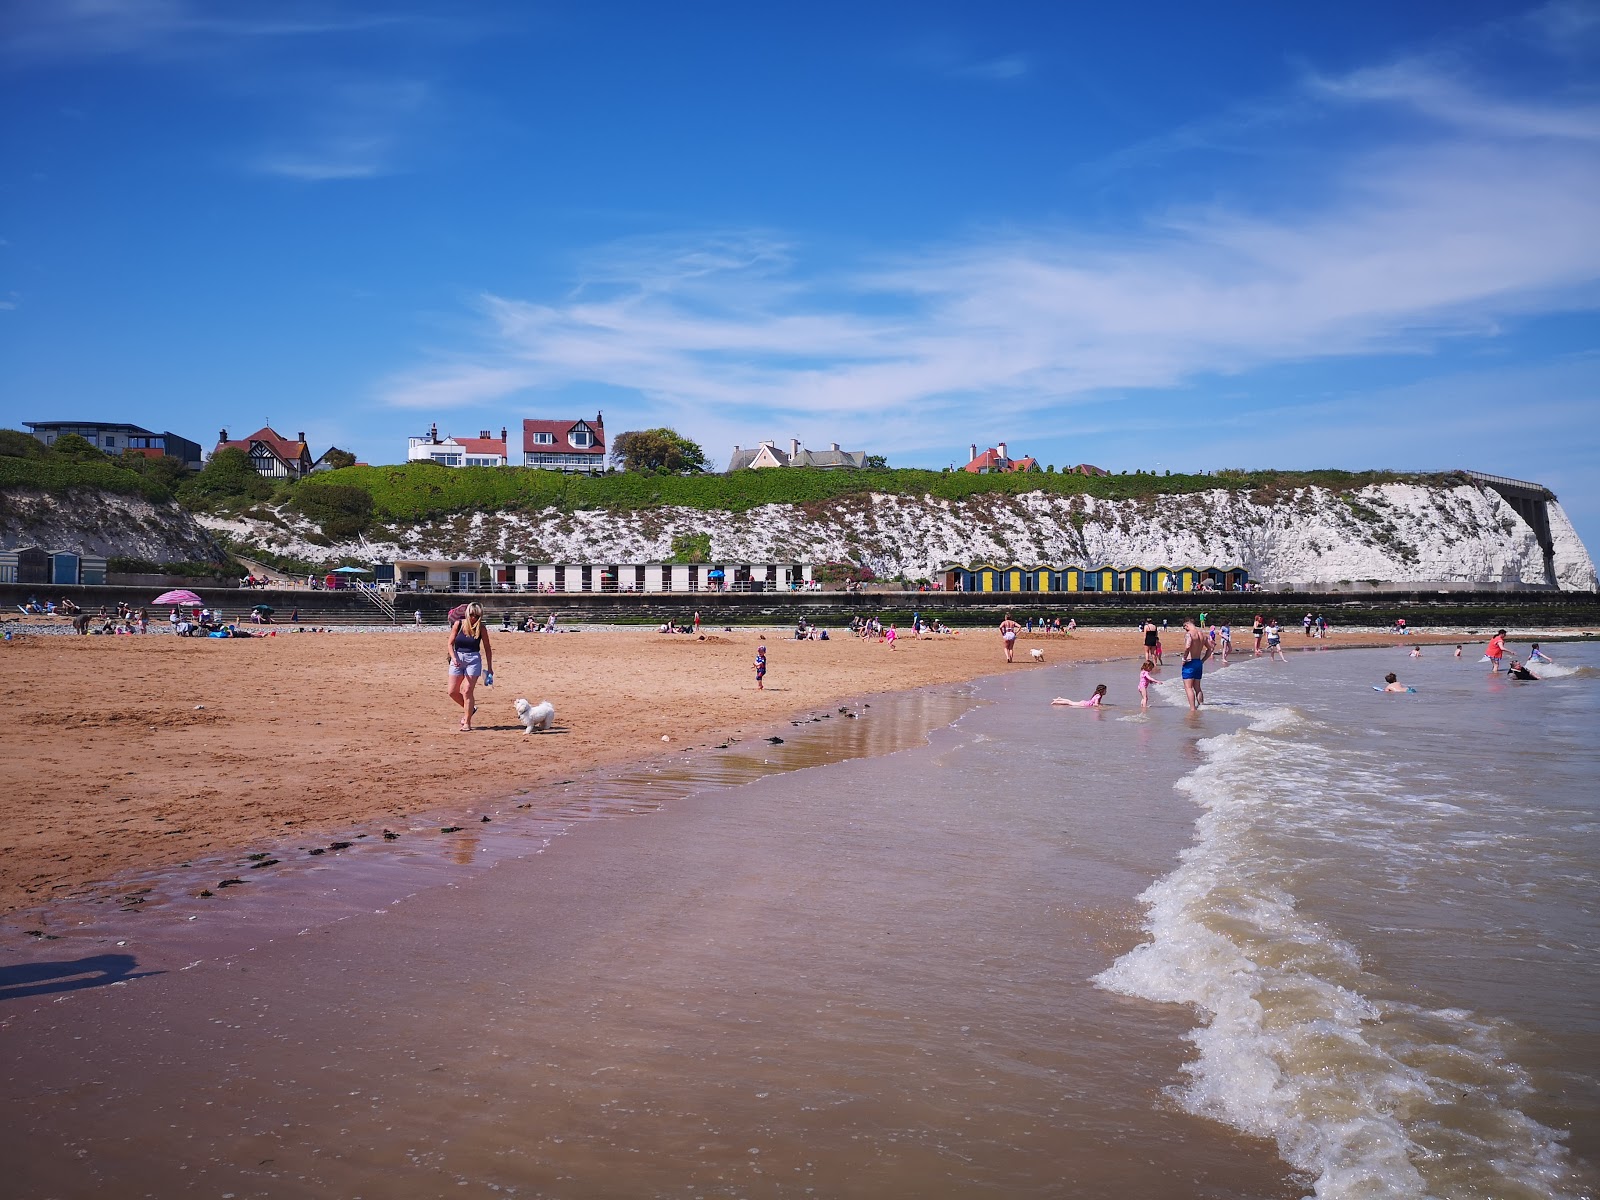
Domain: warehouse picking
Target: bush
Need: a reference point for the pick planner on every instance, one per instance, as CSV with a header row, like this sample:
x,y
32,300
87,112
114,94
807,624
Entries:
x,y
341,510
51,473
227,480
16,444
691,548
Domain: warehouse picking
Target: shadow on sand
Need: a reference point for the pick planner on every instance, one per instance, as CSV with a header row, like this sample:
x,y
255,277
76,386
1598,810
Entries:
x,y
68,975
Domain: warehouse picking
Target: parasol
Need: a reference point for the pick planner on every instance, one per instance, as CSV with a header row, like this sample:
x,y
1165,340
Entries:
x,y
264,608
180,596
351,571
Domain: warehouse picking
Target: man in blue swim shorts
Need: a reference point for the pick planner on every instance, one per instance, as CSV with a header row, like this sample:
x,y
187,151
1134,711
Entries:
x,y
1196,649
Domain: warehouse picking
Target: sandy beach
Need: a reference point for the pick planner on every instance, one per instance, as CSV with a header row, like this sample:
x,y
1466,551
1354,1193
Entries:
x,y
136,753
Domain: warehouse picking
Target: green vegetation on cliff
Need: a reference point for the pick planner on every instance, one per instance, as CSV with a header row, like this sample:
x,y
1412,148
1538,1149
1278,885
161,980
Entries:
x,y
423,491
73,464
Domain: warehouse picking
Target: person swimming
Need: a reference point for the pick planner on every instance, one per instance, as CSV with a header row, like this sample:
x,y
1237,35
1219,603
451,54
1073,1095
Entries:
x,y
1392,683
1093,701
1518,671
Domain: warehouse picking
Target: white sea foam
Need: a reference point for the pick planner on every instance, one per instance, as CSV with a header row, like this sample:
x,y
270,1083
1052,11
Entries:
x,y
1369,1096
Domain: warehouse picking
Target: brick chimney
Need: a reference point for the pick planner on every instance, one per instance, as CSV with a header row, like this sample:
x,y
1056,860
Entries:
x,y
484,434
502,433
222,436
433,433
300,436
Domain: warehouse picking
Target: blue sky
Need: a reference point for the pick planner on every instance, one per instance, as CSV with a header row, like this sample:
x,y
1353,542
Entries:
x,y
1168,236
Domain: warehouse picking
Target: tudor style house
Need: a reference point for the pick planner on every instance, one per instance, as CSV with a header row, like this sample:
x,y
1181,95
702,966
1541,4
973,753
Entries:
x,y
565,445
485,450
767,454
995,461
272,454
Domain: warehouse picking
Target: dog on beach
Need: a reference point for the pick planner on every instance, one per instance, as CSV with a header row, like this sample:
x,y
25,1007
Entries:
x,y
1038,655
535,716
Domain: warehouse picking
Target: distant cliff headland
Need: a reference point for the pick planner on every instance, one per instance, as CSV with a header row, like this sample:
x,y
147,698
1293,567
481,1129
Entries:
x,y
1287,528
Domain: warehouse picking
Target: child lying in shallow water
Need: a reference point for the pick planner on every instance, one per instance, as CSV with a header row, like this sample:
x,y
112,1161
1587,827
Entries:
x,y
1093,701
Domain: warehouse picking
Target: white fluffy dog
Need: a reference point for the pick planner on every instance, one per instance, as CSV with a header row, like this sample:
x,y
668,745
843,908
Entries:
x,y
535,716
1038,655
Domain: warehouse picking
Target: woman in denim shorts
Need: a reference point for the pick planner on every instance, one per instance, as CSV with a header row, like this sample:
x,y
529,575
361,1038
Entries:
x,y
470,656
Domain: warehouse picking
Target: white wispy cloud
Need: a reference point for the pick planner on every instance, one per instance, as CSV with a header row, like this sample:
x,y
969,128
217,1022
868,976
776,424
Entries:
x,y
349,130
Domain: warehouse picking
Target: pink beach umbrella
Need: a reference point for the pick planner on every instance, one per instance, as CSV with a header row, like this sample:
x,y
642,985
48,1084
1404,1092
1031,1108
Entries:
x,y
180,596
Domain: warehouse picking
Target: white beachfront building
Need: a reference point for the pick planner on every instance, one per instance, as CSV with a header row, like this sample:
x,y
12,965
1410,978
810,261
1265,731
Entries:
x,y
441,575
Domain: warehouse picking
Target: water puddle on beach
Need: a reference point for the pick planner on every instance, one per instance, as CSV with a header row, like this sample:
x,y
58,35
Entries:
x,y
867,977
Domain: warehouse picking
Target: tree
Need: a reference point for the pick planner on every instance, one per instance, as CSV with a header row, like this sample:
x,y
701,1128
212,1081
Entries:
x,y
228,476
16,444
168,472
337,458
663,450
77,448
876,462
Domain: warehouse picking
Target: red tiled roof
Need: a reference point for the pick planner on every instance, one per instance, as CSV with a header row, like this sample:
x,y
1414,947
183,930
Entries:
x,y
481,445
559,430
990,460
281,446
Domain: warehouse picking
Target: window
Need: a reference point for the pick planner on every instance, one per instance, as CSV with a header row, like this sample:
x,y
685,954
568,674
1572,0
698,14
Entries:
x,y
581,438
544,439
111,441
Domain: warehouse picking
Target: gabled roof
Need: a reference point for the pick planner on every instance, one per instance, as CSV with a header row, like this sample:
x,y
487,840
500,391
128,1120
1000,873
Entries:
x,y
830,458
561,431
991,461
269,437
480,445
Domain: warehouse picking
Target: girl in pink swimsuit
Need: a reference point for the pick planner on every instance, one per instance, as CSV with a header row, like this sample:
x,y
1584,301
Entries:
x,y
1145,680
1092,702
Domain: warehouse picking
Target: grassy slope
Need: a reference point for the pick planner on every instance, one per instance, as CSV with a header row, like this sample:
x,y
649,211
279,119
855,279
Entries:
x,y
422,491
62,475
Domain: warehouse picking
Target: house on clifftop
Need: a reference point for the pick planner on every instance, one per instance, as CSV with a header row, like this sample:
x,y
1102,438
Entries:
x,y
485,450
565,445
767,454
272,454
995,461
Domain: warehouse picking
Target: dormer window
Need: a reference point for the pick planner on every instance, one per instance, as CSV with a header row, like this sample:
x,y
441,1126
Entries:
x,y
544,439
581,438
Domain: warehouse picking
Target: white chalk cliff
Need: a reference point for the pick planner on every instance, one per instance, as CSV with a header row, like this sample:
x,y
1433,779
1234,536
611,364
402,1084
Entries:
x,y
1396,532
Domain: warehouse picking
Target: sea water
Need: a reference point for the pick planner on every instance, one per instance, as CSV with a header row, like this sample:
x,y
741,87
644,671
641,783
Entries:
x,y
1314,940
1388,923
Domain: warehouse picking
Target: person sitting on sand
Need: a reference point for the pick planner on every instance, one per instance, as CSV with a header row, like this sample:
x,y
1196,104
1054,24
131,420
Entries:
x,y
1093,701
1392,684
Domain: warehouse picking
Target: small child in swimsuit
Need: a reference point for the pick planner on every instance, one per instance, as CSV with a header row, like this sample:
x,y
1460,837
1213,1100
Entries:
x,y
1145,680
761,668
1092,702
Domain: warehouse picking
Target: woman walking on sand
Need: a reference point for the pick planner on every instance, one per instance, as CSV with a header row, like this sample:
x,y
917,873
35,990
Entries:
x,y
471,657
1008,636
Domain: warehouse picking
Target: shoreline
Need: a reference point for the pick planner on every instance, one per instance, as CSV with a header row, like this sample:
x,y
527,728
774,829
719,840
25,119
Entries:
x,y
271,740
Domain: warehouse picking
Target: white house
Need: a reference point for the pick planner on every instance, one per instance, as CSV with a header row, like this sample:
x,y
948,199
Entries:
x,y
485,450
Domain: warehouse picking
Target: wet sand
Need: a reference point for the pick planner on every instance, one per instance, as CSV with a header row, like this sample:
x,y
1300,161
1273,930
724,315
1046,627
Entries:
x,y
132,754
862,979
